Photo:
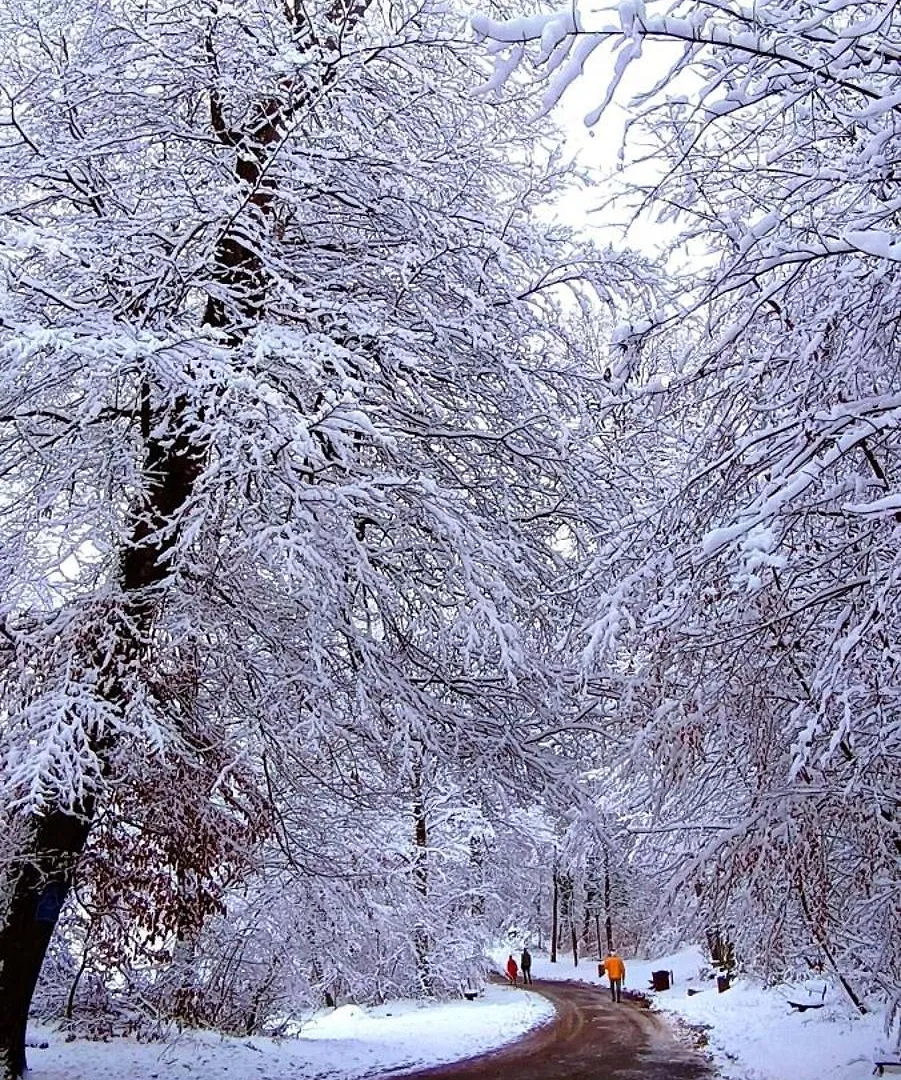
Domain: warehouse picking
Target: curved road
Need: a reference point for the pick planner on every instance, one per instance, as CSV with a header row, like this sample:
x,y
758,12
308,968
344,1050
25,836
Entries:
x,y
590,1039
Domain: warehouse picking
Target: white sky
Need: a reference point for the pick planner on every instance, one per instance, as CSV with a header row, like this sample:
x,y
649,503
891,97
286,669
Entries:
x,y
598,148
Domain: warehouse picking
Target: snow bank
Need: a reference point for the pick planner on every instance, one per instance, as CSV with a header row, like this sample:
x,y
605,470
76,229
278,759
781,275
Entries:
x,y
753,1032
344,1044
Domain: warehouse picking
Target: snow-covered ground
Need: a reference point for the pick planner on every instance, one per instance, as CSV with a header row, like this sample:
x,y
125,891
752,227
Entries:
x,y
342,1044
752,1032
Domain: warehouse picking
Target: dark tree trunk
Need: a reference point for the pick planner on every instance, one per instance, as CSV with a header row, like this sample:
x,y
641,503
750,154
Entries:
x,y
477,867
608,905
327,996
568,906
38,884
722,951
421,879
40,873
820,937
555,906
42,868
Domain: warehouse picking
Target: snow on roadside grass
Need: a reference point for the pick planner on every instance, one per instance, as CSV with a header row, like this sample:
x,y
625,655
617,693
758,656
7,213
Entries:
x,y
347,1043
752,1032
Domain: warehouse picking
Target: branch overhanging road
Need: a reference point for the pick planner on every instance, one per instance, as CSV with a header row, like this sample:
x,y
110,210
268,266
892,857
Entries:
x,y
589,1039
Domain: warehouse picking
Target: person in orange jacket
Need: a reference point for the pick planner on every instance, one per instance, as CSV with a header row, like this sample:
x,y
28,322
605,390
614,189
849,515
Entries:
x,y
512,969
616,972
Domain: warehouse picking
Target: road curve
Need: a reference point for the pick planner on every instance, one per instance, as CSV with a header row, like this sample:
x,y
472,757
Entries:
x,y
590,1039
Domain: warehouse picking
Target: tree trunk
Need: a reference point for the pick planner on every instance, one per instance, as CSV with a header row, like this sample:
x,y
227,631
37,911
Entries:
x,y
820,937
40,871
35,889
421,879
82,967
477,869
567,908
608,909
555,905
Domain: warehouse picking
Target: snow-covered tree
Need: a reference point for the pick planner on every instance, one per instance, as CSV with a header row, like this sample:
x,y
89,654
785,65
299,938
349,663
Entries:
x,y
290,428
761,569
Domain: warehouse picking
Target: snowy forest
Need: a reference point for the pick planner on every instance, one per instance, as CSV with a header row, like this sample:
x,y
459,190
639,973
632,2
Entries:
x,y
389,565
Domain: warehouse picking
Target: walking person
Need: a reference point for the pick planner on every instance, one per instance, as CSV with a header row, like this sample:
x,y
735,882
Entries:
x,y
616,972
512,969
525,962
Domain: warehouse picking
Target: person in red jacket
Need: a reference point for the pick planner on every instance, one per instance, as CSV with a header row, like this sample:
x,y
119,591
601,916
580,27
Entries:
x,y
616,972
512,969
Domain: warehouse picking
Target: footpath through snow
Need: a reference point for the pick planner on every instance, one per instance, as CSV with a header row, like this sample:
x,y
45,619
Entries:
x,y
752,1033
